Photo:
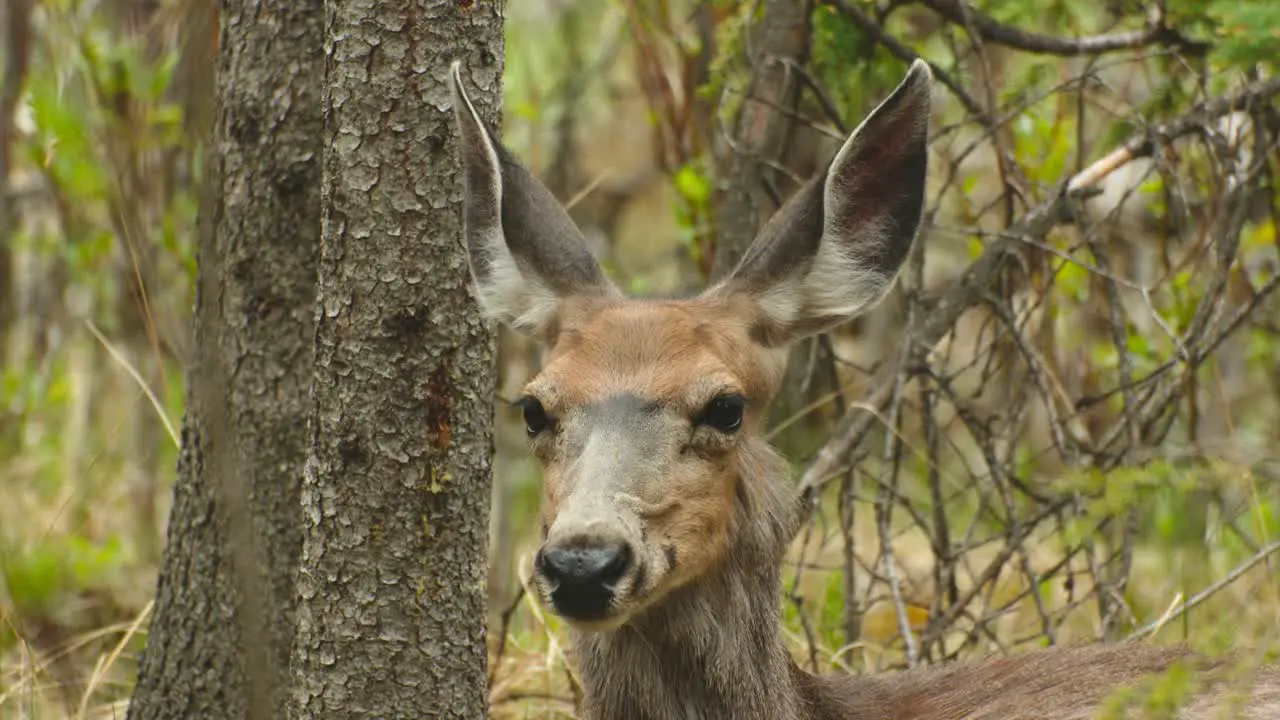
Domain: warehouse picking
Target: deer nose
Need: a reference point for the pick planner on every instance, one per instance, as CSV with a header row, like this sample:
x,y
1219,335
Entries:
x,y
589,565
582,574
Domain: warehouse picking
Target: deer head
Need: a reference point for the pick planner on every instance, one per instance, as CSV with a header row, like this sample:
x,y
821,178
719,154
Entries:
x,y
647,415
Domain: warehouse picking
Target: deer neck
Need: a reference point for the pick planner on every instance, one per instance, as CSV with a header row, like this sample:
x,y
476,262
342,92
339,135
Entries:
x,y
713,648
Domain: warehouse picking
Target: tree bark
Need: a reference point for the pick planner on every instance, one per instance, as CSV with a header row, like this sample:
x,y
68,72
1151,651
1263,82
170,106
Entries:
x,y
391,590
219,643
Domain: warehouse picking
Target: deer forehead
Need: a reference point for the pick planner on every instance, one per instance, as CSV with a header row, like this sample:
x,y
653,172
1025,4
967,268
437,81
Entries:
x,y
678,353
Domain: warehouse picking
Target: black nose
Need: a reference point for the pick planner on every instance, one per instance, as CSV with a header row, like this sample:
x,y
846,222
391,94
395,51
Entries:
x,y
582,575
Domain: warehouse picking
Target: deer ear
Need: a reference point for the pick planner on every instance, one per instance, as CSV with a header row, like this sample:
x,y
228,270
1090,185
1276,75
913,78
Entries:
x,y
835,248
526,254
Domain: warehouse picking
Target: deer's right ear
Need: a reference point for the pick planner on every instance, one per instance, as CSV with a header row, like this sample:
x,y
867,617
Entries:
x,y
526,254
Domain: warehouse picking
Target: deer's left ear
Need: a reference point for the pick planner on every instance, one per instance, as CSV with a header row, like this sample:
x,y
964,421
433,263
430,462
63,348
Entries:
x,y
835,248
526,254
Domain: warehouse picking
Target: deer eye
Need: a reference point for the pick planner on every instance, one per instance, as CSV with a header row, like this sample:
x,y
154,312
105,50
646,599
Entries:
x,y
723,413
535,416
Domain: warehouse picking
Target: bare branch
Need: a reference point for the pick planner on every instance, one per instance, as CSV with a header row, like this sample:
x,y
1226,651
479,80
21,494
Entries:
x,y
1210,591
944,308
1156,33
1144,143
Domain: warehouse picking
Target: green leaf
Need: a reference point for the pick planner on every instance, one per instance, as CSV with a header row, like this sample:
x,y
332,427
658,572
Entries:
x,y
692,185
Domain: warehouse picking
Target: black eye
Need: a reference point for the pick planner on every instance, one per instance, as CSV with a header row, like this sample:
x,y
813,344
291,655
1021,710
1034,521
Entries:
x,y
535,416
724,413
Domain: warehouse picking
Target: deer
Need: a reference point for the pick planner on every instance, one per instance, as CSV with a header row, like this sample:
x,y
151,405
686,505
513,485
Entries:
x,y
665,514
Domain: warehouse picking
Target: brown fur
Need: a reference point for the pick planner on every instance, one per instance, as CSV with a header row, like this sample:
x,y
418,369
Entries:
x,y
711,647
679,355
686,521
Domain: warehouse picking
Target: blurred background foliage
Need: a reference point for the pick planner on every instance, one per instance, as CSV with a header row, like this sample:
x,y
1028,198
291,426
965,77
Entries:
x,y
1024,498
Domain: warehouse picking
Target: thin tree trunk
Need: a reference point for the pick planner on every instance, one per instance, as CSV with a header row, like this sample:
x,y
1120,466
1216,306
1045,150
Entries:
x,y
780,36
220,639
391,596
15,30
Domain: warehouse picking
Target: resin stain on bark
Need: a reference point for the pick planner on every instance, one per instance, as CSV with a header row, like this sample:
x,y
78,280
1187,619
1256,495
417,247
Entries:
x,y
440,407
407,359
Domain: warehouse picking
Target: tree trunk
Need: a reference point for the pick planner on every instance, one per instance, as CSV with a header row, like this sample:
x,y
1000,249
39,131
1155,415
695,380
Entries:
x,y
220,638
781,35
391,596
15,30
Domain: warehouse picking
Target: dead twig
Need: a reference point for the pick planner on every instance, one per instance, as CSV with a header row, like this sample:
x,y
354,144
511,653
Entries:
x,y
1157,33
1213,589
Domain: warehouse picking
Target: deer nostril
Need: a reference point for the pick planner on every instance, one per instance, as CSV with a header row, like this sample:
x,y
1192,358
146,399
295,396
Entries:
x,y
617,566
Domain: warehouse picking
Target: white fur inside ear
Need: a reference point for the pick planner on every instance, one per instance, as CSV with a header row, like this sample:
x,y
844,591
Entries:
x,y
859,253
506,293
840,282
836,284
511,296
